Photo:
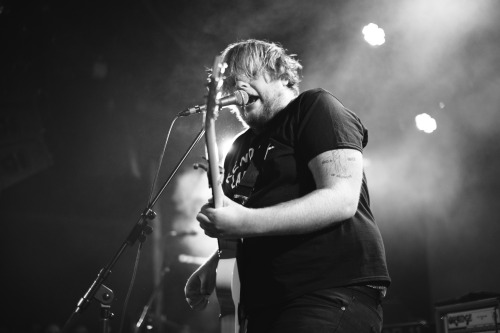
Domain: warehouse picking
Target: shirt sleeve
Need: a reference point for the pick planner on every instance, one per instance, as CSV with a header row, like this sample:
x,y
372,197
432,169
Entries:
x,y
325,124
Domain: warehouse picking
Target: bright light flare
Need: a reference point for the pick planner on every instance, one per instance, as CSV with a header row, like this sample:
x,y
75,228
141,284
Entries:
x,y
374,35
425,123
225,147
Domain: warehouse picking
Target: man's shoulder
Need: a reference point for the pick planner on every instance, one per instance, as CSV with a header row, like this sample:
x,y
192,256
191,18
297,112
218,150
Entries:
x,y
313,92
316,95
318,98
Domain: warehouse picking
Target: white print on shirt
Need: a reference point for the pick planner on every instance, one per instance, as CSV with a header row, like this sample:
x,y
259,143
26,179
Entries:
x,y
234,176
269,147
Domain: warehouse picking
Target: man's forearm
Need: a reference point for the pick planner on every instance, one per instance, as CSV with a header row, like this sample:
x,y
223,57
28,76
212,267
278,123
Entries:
x,y
315,211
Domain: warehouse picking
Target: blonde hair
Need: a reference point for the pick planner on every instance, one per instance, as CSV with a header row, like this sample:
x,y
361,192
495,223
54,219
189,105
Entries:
x,y
251,58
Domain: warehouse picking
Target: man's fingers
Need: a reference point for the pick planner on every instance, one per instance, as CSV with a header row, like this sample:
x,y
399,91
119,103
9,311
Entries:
x,y
199,303
207,225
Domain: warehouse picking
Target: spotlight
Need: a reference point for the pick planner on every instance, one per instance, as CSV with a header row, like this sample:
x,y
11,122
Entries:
x,y
373,34
425,123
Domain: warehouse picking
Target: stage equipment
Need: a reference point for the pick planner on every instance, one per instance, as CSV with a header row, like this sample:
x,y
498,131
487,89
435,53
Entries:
x,y
477,312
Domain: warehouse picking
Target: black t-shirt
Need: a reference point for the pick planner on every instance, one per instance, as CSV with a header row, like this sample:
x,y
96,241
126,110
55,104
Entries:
x,y
276,268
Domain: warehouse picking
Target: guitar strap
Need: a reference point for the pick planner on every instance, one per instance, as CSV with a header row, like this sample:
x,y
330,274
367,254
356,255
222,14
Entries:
x,y
247,184
245,187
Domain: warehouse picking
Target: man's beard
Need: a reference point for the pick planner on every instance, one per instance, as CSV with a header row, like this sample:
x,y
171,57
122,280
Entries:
x,y
258,120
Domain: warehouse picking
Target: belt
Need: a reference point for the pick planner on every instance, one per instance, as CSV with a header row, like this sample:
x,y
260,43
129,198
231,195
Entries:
x,y
382,289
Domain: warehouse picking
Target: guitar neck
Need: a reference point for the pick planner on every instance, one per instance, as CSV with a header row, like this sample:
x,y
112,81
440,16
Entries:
x,y
213,160
227,278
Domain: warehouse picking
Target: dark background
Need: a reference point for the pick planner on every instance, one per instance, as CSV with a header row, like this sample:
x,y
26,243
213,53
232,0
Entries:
x,y
89,91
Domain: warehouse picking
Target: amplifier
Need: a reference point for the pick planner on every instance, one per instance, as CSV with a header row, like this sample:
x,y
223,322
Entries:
x,y
475,316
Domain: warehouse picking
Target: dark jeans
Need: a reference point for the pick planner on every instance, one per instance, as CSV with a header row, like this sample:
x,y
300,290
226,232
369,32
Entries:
x,y
355,309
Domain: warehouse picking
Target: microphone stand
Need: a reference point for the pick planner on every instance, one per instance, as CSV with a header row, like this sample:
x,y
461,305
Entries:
x,y
141,229
154,294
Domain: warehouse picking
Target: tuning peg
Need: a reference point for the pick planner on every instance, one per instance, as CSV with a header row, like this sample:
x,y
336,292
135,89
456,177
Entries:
x,y
203,166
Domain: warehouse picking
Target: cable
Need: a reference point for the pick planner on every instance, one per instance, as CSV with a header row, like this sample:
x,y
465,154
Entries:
x,y
161,161
136,265
129,292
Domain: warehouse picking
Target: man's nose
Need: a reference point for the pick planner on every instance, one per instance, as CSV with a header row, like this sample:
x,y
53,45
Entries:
x,y
242,85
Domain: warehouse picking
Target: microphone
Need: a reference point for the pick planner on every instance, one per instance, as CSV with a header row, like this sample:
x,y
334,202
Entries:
x,y
239,97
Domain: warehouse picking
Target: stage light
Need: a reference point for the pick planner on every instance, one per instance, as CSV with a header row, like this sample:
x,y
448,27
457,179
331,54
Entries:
x,y
425,123
373,34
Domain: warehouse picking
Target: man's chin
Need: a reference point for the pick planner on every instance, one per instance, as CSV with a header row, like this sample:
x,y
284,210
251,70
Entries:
x,y
256,123
252,117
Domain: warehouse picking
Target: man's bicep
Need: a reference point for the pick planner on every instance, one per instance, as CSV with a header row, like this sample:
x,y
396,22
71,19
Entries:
x,y
339,167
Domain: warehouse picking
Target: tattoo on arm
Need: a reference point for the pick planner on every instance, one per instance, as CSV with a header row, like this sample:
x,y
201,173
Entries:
x,y
335,168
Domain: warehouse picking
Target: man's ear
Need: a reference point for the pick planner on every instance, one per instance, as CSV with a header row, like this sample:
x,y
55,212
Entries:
x,y
267,77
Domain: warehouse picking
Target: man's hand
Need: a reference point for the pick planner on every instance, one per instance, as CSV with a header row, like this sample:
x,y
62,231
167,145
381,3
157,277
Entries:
x,y
201,284
229,221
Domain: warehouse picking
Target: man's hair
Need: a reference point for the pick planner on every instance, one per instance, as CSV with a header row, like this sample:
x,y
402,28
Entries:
x,y
251,58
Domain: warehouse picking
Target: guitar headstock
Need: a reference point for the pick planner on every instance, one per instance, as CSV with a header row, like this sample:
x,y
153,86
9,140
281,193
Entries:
x,y
215,83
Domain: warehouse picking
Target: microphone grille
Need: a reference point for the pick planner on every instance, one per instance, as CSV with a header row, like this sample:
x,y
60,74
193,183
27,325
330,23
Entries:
x,y
241,97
